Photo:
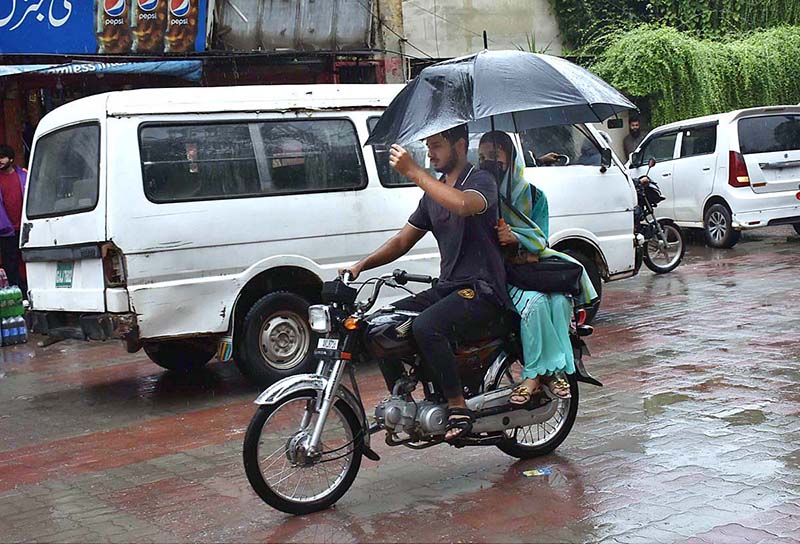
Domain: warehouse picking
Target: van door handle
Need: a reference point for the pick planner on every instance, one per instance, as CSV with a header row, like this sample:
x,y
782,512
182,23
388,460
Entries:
x,y
706,169
666,175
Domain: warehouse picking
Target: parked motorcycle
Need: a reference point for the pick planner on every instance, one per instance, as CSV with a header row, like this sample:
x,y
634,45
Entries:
x,y
660,241
304,445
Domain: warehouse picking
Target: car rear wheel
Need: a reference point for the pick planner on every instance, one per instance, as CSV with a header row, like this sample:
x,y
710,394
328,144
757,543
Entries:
x,y
178,355
277,339
718,226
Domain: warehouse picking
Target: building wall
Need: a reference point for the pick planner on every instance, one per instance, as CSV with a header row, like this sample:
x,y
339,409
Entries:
x,y
450,28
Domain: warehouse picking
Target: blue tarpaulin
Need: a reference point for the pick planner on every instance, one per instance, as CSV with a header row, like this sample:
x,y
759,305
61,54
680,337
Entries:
x,y
186,69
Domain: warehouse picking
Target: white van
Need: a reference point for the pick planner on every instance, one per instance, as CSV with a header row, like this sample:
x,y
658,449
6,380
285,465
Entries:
x,y
729,172
187,220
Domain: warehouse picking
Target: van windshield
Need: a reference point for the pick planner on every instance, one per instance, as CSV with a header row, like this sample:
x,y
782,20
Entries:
x,y
65,173
769,133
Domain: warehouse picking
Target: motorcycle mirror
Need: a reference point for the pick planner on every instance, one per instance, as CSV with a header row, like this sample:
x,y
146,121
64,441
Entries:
x,y
651,163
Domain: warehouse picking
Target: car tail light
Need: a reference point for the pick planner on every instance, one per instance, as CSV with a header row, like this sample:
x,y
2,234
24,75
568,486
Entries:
x,y
737,170
113,265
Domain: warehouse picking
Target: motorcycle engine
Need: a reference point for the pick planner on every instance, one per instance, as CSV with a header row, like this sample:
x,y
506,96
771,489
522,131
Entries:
x,y
423,417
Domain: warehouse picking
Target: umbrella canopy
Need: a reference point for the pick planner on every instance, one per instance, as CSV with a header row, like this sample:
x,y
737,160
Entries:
x,y
517,90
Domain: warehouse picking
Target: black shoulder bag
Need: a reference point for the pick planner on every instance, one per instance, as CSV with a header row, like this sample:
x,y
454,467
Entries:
x,y
547,275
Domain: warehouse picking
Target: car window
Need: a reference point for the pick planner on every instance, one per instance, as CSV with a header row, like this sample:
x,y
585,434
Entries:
x,y
387,175
65,177
565,140
660,148
699,141
234,160
193,162
769,133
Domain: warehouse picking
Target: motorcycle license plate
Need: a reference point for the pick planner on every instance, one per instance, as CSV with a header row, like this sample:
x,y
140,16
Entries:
x,y
328,343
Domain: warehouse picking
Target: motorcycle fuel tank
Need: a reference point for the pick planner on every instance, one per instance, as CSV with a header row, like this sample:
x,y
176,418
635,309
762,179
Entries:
x,y
389,335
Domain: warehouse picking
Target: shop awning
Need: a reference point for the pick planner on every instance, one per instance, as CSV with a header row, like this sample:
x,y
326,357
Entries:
x,y
186,69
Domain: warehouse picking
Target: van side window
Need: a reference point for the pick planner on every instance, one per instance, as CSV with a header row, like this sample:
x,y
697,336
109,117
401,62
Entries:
x,y
699,141
311,156
661,148
234,160
64,177
387,175
565,140
769,133
192,162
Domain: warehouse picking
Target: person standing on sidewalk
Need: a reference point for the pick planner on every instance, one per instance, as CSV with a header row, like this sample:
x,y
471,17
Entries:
x,y
12,187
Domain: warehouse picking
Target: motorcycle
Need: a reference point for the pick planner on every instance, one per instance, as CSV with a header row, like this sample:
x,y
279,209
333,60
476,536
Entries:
x,y
659,241
304,445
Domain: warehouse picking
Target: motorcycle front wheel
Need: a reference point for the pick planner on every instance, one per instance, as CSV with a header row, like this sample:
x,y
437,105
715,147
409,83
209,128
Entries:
x,y
664,256
279,466
541,438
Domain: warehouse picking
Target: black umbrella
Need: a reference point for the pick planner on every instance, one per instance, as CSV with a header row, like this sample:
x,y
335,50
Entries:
x,y
517,90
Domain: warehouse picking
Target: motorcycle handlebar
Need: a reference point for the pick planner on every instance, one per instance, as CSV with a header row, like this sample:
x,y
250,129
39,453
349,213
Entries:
x,y
402,277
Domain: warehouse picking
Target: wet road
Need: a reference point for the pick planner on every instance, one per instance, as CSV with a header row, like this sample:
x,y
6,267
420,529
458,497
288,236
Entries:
x,y
696,436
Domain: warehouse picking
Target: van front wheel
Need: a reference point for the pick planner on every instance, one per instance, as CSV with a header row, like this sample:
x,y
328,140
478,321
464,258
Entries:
x,y
178,355
277,339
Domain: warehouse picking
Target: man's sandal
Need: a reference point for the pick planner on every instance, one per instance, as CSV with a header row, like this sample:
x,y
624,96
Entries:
x,y
460,419
559,387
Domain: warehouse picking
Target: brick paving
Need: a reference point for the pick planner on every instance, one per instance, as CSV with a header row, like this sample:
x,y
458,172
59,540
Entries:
x,y
695,438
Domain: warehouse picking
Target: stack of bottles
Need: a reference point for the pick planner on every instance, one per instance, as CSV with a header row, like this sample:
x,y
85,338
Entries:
x,y
12,323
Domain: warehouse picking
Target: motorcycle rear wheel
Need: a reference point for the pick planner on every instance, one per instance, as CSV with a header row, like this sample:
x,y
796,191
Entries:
x,y
280,475
540,439
663,260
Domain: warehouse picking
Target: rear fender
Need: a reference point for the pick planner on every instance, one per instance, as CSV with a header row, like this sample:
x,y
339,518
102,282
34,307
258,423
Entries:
x,y
300,382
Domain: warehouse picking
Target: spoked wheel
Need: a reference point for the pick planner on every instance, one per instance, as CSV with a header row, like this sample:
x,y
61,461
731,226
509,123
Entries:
x,y
541,438
283,470
662,256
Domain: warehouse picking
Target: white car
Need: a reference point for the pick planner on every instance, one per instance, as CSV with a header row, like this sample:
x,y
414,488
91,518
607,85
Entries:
x,y
729,172
191,222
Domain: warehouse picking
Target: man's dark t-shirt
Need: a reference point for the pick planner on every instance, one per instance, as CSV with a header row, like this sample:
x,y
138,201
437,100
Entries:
x,y
468,246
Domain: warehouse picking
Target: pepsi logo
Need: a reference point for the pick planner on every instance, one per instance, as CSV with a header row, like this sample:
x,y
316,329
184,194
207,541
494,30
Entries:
x,y
114,8
147,5
179,8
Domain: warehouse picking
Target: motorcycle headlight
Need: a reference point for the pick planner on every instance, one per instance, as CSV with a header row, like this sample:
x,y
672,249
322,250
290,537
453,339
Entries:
x,y
319,317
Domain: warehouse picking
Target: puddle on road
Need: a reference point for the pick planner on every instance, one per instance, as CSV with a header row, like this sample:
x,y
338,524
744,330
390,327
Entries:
x,y
793,459
656,404
745,417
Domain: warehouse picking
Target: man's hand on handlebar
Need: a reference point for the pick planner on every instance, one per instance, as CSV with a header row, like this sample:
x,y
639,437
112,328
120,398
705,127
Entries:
x,y
352,271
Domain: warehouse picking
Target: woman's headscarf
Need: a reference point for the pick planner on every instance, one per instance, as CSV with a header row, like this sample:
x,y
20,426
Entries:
x,y
515,190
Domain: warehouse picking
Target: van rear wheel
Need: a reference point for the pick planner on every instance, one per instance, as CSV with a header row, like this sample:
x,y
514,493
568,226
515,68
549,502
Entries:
x,y
594,275
178,355
277,339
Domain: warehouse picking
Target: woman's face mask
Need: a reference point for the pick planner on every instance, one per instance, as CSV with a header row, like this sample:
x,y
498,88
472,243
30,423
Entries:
x,y
494,167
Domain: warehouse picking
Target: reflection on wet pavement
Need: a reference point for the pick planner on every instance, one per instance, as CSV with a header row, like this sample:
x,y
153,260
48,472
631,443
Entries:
x,y
694,438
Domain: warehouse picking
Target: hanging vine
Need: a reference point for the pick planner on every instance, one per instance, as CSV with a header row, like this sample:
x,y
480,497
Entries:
x,y
583,23
681,76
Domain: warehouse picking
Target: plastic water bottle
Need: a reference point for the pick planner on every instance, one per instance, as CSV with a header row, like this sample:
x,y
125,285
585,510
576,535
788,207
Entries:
x,y
18,324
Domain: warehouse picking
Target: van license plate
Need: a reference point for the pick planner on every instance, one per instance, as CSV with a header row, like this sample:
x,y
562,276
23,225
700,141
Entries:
x,y
64,275
328,343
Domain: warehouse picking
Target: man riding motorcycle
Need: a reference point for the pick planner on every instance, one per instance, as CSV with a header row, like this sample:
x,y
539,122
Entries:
x,y
461,210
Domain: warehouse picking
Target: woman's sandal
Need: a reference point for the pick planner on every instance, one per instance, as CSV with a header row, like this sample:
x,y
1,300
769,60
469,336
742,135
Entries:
x,y
463,423
523,395
559,387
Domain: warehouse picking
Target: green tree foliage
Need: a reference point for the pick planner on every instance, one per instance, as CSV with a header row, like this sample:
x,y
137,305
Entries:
x,y
682,76
584,22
